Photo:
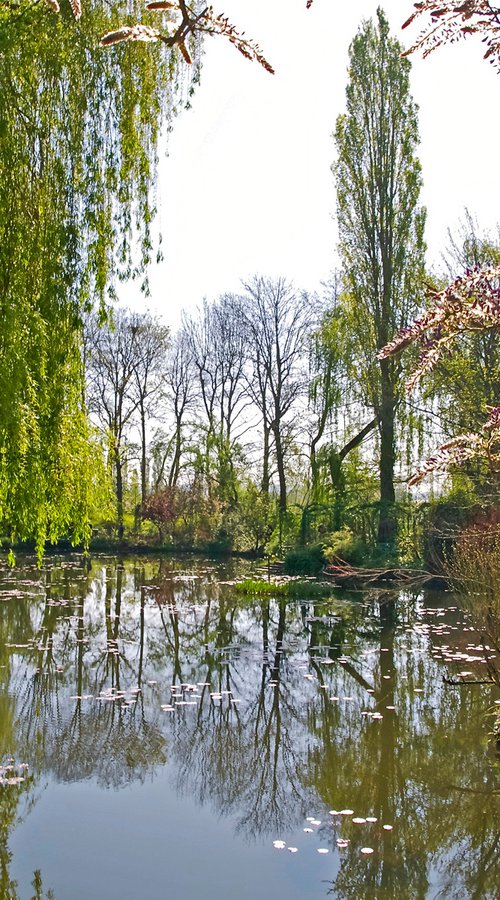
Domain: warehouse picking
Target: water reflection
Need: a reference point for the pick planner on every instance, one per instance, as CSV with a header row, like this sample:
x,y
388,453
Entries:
x,y
266,711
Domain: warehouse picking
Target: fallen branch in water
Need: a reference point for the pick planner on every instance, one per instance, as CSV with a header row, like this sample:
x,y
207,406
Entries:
x,y
343,573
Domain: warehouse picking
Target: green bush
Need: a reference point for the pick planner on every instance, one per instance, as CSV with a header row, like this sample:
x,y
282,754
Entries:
x,y
346,546
221,544
305,561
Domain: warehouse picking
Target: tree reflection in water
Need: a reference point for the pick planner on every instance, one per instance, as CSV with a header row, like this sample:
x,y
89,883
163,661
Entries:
x,y
289,732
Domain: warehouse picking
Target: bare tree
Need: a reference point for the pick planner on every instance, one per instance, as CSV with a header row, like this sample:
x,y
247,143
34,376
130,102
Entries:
x,y
111,395
218,347
277,319
149,363
179,387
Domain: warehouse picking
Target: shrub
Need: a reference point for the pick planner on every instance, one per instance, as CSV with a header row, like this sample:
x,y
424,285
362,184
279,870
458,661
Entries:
x,y
346,546
444,519
300,590
305,561
474,568
220,545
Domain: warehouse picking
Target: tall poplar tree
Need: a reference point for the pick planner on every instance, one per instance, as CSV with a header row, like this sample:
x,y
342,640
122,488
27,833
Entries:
x,y
380,226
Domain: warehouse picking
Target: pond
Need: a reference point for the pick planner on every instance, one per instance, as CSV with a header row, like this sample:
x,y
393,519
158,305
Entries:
x,y
163,736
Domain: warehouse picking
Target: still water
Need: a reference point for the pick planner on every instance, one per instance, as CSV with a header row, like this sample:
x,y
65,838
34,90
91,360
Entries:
x,y
163,737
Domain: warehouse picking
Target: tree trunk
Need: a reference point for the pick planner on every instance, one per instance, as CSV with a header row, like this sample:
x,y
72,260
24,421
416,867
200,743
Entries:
x,y
280,463
265,459
174,468
387,520
144,489
119,495
336,474
315,482
338,483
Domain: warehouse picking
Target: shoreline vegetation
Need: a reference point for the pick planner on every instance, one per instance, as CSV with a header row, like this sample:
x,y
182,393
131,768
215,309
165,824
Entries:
x,y
273,577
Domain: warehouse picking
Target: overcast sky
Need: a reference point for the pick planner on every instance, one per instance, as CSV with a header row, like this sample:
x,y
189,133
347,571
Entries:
x,y
247,186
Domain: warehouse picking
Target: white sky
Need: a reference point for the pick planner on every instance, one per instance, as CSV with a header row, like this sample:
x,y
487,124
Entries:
x,y
247,187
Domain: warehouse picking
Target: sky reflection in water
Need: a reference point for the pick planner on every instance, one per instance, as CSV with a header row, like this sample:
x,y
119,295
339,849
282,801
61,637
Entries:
x,y
138,788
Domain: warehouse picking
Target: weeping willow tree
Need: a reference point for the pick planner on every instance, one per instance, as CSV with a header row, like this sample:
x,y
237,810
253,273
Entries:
x,y
79,132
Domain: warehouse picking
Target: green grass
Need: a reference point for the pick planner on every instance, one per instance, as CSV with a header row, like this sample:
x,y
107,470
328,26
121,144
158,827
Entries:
x,y
296,589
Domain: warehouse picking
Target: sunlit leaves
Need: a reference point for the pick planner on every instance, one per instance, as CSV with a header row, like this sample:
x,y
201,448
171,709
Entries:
x,y
78,155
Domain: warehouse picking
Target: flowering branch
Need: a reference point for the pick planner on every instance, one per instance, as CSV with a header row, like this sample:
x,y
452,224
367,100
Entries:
x,y
181,22
471,303
472,445
76,7
450,21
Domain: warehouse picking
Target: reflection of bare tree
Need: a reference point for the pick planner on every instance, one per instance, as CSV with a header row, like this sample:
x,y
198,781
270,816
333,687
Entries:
x,y
104,735
393,769
106,742
302,737
246,758
15,798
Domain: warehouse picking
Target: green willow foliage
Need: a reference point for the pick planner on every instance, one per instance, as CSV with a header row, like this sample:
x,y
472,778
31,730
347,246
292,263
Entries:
x,y
79,131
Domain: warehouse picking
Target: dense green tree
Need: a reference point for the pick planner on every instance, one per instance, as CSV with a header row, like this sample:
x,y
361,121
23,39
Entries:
x,y
79,130
467,311
380,227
